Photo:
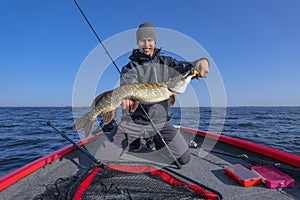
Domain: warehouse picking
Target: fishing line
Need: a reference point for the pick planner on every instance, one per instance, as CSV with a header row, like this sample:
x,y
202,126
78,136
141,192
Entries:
x,y
98,38
147,115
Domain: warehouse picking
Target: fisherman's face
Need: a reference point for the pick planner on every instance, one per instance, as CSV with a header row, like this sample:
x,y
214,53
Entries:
x,y
147,45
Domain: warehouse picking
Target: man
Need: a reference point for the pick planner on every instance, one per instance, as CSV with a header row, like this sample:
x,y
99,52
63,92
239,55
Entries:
x,y
148,66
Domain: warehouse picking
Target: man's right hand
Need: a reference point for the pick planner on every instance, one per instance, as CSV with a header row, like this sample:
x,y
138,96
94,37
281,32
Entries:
x,y
132,105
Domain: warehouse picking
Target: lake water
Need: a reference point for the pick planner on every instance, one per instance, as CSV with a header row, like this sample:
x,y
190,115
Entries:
x,y
24,135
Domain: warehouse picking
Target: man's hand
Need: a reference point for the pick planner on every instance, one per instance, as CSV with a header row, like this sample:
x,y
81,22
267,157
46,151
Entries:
x,y
203,66
127,103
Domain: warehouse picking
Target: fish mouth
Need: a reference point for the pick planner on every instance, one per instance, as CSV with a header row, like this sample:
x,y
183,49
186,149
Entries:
x,y
179,84
184,75
193,72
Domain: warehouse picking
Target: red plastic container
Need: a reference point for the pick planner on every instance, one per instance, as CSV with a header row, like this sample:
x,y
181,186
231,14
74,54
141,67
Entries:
x,y
272,177
242,175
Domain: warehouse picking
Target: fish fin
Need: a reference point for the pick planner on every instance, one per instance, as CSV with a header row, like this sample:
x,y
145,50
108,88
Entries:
x,y
107,117
99,97
172,100
86,122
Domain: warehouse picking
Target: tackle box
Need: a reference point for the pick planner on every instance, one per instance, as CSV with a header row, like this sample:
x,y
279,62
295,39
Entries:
x,y
272,177
242,175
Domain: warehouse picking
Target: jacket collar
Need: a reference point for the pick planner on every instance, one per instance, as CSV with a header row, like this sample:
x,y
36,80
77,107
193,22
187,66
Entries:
x,y
140,57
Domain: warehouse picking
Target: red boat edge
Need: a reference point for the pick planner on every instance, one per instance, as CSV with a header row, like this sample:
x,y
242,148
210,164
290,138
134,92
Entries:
x,y
15,176
282,156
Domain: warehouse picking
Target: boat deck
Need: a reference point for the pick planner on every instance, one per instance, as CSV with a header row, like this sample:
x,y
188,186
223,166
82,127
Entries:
x,y
210,171
207,167
207,170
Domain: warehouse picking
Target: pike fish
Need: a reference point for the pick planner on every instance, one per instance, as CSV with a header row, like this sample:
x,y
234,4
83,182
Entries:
x,y
108,101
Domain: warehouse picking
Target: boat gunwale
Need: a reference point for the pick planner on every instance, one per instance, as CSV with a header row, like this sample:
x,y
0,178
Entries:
x,y
20,173
15,176
288,158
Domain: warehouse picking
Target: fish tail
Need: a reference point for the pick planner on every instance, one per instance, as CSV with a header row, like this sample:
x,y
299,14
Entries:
x,y
86,122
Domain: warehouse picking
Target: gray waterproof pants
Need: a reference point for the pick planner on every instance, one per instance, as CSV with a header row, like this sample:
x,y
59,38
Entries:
x,y
118,141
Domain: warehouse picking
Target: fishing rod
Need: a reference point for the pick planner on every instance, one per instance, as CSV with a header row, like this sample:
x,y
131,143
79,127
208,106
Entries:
x,y
80,148
115,65
255,160
98,38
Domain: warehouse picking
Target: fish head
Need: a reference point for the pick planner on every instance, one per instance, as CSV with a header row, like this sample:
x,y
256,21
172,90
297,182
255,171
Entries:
x,y
178,84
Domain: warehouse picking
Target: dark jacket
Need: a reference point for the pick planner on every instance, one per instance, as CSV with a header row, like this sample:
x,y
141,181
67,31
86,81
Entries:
x,y
143,68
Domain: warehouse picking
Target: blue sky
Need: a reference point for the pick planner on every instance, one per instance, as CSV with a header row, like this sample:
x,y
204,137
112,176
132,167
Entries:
x,y
255,45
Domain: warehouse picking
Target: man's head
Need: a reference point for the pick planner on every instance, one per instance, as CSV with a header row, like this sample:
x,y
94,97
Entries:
x,y
146,38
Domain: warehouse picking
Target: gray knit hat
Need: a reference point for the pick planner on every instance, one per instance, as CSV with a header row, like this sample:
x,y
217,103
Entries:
x,y
146,30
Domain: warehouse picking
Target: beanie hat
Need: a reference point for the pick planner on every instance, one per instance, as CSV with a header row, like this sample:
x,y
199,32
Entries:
x,y
146,30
